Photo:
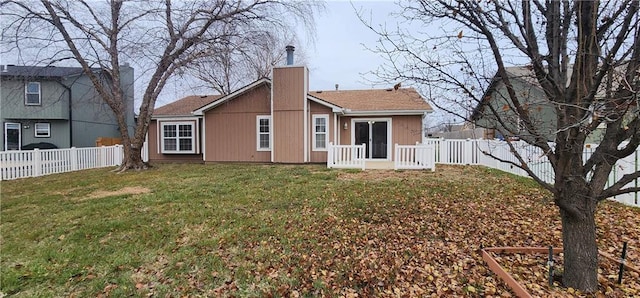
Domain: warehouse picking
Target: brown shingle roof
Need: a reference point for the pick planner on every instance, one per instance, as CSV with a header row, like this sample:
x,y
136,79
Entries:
x,y
184,106
403,99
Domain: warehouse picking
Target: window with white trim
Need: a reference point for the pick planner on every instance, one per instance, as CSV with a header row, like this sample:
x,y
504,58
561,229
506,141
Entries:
x,y
42,130
32,94
263,132
320,132
178,137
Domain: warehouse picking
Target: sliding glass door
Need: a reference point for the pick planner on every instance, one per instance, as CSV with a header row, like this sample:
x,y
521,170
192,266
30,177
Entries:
x,y
374,134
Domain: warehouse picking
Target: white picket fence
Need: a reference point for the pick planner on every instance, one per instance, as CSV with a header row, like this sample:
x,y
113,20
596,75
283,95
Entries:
x,y
418,157
34,163
346,156
472,152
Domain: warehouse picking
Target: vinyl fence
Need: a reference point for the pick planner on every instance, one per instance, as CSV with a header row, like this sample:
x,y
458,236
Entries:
x,y
472,152
418,157
346,156
22,164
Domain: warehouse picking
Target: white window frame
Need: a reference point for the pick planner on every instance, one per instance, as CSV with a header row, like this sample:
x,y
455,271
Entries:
x,y
12,126
258,133
45,126
27,93
316,133
177,125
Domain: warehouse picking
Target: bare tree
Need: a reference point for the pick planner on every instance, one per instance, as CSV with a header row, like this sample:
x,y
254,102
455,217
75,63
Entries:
x,y
161,36
584,56
246,55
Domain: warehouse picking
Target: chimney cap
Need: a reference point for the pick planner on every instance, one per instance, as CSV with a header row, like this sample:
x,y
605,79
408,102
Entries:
x,y
290,49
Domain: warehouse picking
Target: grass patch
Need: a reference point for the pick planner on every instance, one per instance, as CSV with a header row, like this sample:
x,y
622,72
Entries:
x,y
259,230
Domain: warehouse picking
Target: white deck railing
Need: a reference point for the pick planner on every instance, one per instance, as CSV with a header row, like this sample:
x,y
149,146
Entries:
x,y
419,157
23,164
346,156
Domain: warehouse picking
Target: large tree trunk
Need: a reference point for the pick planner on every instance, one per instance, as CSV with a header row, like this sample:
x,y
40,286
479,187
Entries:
x,y
579,241
132,158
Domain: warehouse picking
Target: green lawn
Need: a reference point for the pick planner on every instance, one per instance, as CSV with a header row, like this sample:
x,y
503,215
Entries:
x,y
261,230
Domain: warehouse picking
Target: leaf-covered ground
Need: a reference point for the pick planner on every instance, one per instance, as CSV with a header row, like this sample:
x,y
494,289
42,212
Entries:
x,y
259,231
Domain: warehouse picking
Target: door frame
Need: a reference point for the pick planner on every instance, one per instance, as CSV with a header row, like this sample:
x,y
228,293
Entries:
x,y
389,135
6,124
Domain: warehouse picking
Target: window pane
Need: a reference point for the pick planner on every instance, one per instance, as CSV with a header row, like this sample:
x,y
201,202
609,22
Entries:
x,y
185,130
169,131
33,98
42,129
170,144
33,88
185,145
264,141
264,125
321,141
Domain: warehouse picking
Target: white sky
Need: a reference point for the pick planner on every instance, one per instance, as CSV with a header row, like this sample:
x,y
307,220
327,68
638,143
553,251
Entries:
x,y
338,54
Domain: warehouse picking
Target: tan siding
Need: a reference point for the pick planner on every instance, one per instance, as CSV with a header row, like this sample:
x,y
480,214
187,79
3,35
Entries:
x,y
155,151
289,98
406,130
288,136
231,128
345,134
317,109
288,89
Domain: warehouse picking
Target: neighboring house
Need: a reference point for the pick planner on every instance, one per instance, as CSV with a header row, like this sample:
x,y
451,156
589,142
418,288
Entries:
x,y
497,98
278,120
533,99
56,105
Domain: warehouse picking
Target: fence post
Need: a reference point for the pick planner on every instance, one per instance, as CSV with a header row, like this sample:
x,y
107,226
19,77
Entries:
x,y
467,152
363,156
444,156
329,154
37,163
119,155
397,157
73,155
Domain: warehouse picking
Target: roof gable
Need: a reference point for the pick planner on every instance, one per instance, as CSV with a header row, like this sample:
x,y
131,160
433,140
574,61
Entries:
x,y
185,106
232,95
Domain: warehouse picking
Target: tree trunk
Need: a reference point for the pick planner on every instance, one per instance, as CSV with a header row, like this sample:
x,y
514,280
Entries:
x,y
132,159
579,242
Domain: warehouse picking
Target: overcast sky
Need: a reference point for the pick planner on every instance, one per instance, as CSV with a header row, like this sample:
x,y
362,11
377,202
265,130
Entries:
x,y
336,56
339,55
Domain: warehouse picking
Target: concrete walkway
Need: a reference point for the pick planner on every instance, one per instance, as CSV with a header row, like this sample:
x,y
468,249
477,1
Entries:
x,y
378,165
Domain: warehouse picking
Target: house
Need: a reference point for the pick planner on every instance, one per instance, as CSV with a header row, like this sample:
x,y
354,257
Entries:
x,y
57,105
279,120
541,111
496,98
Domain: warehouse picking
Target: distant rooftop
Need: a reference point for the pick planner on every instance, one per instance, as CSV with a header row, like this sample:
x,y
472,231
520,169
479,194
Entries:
x,y
38,71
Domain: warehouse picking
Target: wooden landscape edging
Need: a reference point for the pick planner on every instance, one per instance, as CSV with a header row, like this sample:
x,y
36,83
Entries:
x,y
518,289
617,260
